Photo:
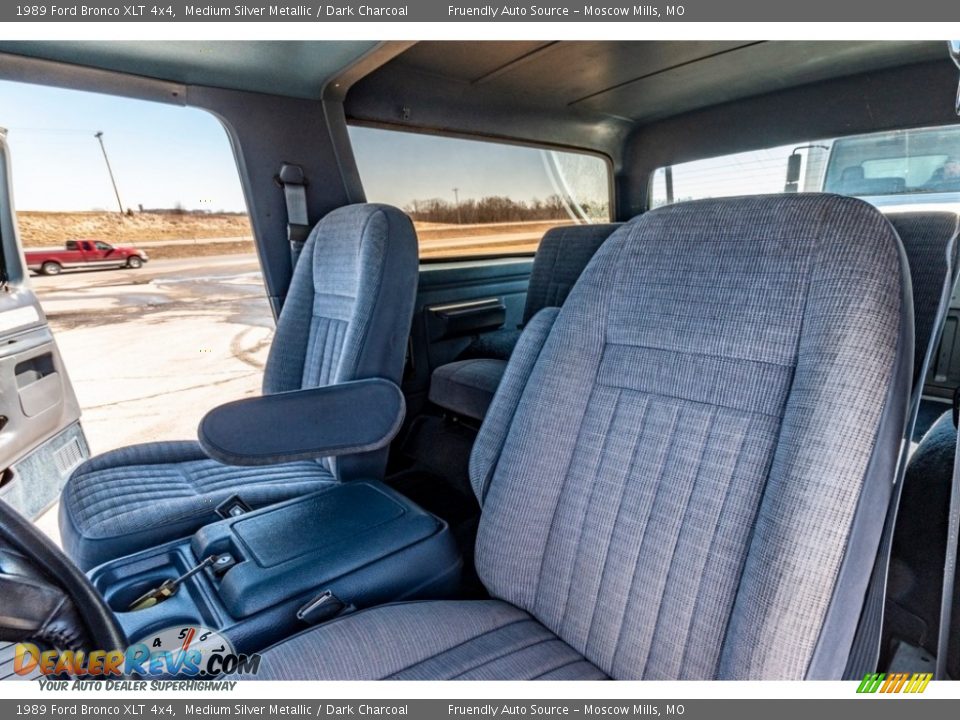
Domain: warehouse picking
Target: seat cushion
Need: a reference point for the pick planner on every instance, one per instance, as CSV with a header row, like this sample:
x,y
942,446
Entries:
x,y
497,344
467,387
439,640
136,497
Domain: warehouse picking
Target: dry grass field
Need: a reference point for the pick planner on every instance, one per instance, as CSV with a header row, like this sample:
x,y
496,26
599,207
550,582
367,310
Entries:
x,y
172,235
152,231
52,228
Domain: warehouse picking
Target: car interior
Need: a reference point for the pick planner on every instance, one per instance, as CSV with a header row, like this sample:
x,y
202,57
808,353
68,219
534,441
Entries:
x,y
706,435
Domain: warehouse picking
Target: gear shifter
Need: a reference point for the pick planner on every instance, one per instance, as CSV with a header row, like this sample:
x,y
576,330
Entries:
x,y
168,588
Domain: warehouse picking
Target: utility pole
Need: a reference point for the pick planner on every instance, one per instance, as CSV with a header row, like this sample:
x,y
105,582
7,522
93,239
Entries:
x,y
99,136
456,197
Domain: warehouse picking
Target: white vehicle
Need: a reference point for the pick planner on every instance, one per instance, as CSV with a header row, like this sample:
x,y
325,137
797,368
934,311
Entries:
x,y
917,169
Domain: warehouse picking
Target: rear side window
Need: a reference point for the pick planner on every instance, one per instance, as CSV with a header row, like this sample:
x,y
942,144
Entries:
x,y
891,168
470,198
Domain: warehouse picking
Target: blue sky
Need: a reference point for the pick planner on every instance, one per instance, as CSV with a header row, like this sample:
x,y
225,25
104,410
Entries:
x,y
165,155
161,154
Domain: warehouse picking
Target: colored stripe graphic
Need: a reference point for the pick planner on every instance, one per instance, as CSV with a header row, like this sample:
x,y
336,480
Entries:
x,y
894,683
919,682
871,683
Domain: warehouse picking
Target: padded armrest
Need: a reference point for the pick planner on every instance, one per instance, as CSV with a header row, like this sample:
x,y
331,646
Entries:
x,y
344,419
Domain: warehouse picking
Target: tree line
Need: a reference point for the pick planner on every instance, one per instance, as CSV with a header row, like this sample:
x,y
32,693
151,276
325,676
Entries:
x,y
493,209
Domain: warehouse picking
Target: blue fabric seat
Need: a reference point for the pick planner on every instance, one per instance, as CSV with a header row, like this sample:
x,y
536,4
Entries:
x,y
917,554
455,640
927,238
685,470
346,317
466,387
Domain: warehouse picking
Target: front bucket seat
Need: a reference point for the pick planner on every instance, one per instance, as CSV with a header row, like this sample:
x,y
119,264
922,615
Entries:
x,y
346,317
685,471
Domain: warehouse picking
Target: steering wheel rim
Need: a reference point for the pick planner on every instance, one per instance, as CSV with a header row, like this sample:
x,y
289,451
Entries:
x,y
21,535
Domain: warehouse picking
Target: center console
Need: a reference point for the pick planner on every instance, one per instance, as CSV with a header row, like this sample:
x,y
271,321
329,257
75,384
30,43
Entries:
x,y
282,568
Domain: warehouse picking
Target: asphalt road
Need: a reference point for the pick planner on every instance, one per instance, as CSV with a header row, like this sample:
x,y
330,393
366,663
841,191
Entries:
x,y
149,351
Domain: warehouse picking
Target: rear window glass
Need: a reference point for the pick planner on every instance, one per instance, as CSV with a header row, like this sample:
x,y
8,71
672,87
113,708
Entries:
x,y
893,168
469,197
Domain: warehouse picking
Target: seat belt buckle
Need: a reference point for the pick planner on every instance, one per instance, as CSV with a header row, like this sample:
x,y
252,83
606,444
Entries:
x,y
232,507
323,607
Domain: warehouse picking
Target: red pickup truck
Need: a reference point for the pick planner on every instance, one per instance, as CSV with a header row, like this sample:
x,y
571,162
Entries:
x,y
84,254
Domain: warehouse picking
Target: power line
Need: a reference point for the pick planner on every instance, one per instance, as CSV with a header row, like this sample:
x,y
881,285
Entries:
x,y
58,131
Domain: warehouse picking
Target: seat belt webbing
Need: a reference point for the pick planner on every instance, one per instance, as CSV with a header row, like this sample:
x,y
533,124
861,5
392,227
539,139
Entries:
x,y
294,185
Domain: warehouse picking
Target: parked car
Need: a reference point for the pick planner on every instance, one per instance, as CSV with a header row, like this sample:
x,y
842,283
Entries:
x,y
84,254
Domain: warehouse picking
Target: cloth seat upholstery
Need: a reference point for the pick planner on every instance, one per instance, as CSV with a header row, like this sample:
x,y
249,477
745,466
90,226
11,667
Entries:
x,y
346,317
466,386
685,471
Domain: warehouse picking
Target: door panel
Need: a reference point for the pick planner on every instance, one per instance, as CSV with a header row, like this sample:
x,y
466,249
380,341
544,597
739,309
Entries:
x,y
41,440
456,301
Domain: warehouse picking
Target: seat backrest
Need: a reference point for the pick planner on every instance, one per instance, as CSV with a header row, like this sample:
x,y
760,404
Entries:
x,y
927,238
562,255
348,310
853,182
852,173
693,481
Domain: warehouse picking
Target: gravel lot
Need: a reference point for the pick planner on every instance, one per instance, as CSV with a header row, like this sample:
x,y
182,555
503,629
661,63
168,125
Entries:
x,y
150,351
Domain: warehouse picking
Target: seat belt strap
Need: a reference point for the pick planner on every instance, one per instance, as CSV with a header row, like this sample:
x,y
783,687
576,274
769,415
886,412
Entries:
x,y
291,180
865,649
949,565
